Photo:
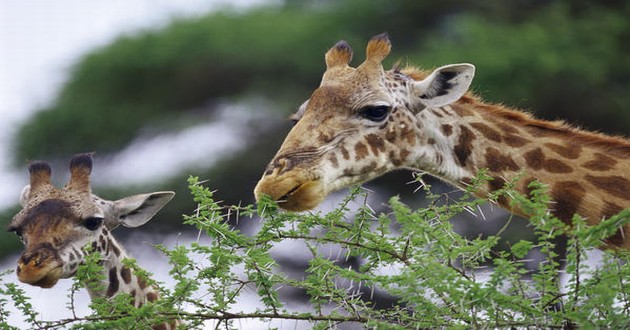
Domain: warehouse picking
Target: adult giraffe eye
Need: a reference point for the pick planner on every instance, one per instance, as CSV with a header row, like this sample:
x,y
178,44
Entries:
x,y
374,112
92,223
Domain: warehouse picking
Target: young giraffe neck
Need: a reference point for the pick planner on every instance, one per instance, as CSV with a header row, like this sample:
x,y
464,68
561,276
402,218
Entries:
x,y
119,278
586,172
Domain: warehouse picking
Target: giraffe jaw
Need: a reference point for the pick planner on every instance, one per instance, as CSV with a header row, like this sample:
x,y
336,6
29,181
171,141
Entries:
x,y
291,194
45,277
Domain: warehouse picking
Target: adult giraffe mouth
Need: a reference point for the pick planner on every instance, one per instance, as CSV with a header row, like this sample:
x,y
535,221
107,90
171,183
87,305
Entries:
x,y
292,194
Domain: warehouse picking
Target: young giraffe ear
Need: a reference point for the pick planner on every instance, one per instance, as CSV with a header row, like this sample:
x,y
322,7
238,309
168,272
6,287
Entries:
x,y
80,169
444,86
40,174
339,55
136,210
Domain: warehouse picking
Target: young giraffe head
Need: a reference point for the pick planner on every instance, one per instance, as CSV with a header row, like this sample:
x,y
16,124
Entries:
x,y
56,225
360,123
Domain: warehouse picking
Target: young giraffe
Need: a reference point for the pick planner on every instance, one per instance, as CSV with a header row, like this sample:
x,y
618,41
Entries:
x,y
365,121
56,225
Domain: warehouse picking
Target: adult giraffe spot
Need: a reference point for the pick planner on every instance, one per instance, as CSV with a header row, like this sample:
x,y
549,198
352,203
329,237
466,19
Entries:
x,y
376,143
610,209
464,147
567,196
571,151
360,150
333,160
557,166
600,163
615,185
515,140
498,162
495,184
344,152
370,168
535,159
487,131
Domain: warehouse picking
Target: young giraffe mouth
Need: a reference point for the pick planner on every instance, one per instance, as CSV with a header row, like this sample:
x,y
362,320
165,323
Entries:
x,y
47,280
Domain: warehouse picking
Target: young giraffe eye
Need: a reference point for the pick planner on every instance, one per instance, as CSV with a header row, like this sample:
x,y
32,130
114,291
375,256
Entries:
x,y
92,223
375,112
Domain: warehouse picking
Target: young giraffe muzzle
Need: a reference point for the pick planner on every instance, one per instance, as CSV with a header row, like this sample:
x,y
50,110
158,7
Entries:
x,y
363,122
56,225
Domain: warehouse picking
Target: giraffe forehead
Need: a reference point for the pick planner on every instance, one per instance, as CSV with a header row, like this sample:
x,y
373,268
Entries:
x,y
51,212
55,210
49,221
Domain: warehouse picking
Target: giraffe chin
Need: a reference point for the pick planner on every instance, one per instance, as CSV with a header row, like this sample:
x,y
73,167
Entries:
x,y
303,197
46,281
291,194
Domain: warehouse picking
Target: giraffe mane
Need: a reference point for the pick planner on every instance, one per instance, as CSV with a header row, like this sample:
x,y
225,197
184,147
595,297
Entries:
x,y
617,145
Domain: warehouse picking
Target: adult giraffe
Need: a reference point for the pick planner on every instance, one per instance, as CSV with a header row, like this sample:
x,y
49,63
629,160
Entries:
x,y
362,122
56,225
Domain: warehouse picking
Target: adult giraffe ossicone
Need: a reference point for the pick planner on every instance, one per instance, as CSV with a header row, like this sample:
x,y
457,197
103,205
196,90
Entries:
x,y
362,122
56,225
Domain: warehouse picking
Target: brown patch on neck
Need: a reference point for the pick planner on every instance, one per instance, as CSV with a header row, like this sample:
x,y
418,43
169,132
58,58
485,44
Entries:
x,y
600,163
571,151
615,185
487,131
536,160
498,162
567,196
464,148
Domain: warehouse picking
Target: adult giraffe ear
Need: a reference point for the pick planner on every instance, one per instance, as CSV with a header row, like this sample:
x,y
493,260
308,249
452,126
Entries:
x,y
443,86
338,55
135,211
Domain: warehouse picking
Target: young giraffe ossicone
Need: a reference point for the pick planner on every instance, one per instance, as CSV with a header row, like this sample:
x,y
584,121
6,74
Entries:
x,y
56,225
363,122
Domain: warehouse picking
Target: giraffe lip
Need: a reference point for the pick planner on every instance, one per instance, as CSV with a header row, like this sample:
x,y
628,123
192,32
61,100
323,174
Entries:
x,y
289,193
303,196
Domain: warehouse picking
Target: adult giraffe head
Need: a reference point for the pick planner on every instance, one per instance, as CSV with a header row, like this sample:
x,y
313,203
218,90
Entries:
x,y
358,124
